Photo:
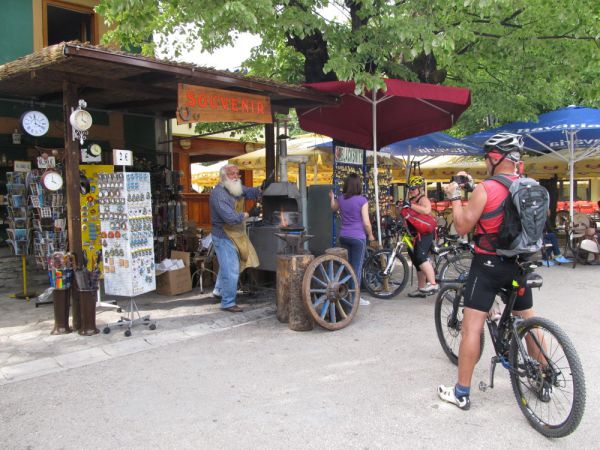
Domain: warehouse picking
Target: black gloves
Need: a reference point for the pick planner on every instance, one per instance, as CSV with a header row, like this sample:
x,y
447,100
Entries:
x,y
266,183
254,211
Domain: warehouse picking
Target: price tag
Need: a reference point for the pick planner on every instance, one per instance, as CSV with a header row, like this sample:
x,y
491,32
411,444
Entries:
x,y
122,157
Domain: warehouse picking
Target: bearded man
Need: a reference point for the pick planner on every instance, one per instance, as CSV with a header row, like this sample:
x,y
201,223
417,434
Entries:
x,y
224,214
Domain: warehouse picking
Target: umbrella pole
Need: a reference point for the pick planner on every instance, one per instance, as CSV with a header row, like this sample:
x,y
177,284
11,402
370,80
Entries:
x,y
376,173
571,142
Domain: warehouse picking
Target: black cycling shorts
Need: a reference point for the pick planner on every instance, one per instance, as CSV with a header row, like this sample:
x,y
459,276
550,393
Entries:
x,y
422,247
488,274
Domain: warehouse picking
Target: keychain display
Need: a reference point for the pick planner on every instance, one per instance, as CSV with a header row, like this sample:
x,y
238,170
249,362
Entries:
x,y
126,233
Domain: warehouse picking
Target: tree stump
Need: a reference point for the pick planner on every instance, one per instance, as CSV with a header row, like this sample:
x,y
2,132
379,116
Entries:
x,y
337,251
290,305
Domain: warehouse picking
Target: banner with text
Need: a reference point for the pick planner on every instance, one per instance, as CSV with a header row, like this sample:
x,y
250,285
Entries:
x,y
202,104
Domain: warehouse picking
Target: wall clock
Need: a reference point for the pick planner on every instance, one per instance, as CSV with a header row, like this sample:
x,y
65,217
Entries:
x,y
52,180
35,123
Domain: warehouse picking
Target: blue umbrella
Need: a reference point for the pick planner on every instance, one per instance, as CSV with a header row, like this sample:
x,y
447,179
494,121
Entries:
x,y
574,128
433,144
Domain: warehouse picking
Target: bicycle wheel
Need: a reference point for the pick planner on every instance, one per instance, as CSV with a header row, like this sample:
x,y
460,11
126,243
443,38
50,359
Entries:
x,y
376,283
448,326
456,268
548,379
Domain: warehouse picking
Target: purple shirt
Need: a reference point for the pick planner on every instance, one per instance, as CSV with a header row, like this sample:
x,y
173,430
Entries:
x,y
352,223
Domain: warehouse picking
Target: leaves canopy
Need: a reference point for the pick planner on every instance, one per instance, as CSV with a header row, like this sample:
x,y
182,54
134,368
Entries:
x,y
519,57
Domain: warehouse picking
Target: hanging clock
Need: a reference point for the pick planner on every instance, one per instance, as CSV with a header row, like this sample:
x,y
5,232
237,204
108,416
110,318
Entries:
x,y
81,122
35,123
52,180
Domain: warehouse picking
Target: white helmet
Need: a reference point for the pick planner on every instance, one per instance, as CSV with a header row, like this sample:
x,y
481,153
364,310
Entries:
x,y
510,145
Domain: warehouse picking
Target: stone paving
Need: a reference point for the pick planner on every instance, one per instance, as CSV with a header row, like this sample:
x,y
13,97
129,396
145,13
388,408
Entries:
x,y
27,349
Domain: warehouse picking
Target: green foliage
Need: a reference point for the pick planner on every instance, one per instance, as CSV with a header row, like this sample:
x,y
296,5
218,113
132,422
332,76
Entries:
x,y
519,57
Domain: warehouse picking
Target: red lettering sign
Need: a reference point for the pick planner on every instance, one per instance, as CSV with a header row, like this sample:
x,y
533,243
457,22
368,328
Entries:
x,y
202,104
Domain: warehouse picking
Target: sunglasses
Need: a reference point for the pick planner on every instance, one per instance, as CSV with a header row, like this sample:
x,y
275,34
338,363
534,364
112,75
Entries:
x,y
413,188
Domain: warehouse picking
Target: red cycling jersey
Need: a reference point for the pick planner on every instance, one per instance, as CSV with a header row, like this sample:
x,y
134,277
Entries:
x,y
488,226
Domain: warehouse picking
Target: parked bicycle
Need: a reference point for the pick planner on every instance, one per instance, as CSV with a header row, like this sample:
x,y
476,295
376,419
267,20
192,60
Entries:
x,y
545,371
386,272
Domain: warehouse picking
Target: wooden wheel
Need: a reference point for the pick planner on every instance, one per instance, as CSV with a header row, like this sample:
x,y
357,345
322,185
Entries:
x,y
329,293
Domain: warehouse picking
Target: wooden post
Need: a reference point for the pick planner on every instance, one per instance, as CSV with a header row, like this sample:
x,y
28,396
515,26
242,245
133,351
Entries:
x,y
72,178
337,251
290,305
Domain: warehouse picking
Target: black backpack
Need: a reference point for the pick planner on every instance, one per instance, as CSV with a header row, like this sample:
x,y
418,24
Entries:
x,y
525,212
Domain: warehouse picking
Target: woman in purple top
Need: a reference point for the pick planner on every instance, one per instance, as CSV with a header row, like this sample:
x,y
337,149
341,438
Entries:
x,y
356,226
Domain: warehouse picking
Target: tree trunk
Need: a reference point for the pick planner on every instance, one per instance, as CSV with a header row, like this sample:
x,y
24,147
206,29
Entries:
x,y
290,305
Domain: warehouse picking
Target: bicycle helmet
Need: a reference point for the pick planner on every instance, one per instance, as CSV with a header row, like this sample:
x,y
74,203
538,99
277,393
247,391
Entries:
x,y
508,145
416,181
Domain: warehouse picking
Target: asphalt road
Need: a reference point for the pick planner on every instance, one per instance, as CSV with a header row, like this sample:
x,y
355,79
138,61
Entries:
x,y
370,385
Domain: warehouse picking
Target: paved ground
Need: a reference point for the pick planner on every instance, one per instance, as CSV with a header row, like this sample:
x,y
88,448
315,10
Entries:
x,y
260,385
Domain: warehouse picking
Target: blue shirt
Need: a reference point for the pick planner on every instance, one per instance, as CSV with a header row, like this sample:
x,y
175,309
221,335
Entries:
x,y
222,208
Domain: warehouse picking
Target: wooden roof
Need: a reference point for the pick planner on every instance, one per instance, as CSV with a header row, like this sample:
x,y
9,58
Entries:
x,y
120,81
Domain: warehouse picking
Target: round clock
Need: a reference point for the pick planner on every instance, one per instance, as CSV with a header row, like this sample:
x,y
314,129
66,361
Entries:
x,y
95,150
52,180
35,123
81,119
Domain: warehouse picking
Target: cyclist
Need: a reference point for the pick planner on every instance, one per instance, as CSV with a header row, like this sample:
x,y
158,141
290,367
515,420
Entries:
x,y
489,272
423,242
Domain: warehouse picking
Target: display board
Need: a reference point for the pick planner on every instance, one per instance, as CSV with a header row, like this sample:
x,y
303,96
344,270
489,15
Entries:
x,y
126,233
90,211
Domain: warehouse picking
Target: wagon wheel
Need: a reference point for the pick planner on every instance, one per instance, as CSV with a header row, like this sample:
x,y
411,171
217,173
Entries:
x,y
328,291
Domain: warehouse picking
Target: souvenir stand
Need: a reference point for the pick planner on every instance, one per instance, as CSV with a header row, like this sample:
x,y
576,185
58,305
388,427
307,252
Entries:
x,y
19,220
127,240
346,160
349,160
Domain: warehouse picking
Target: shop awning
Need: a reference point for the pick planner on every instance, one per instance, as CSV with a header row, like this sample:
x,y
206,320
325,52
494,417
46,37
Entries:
x,y
119,81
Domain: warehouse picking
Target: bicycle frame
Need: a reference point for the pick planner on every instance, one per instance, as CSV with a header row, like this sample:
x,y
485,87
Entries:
x,y
405,240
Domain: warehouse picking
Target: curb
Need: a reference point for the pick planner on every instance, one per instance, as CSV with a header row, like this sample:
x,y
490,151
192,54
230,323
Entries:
x,y
129,346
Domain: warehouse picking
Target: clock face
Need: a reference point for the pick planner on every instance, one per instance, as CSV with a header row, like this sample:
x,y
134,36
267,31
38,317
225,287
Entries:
x,y
35,123
81,119
95,149
52,180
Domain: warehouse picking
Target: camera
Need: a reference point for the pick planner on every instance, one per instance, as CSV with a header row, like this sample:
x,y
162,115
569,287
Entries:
x,y
463,181
460,179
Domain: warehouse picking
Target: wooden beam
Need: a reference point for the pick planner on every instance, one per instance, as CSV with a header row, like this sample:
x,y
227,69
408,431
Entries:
x,y
72,178
142,103
105,83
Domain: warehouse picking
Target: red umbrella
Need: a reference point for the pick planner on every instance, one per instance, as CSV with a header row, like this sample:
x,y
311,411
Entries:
x,y
375,119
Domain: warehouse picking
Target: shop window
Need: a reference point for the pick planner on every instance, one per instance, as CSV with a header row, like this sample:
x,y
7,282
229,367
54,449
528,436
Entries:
x,y
581,191
67,22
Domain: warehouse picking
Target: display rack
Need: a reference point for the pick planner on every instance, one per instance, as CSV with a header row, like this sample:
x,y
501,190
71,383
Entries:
x,y
127,240
126,233
19,224
49,219
169,211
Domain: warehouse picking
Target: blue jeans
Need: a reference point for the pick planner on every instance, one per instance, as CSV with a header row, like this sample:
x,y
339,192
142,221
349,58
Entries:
x,y
550,238
356,253
229,270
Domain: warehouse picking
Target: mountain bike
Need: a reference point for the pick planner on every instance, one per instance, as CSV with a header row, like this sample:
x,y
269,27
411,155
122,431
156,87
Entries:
x,y
545,371
386,272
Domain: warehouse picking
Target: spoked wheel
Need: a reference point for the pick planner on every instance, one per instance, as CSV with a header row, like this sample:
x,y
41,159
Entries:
x,y
380,285
456,268
449,325
547,378
329,292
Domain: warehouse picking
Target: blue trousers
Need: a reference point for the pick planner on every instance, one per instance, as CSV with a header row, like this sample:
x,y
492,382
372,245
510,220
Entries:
x,y
550,238
356,253
229,270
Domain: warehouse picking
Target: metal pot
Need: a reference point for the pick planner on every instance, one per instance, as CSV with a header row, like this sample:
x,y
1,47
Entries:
x,y
286,218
